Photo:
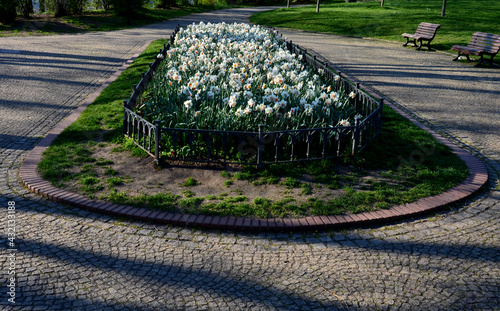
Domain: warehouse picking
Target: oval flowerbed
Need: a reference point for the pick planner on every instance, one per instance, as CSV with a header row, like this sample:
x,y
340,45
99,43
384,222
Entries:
x,y
83,160
221,86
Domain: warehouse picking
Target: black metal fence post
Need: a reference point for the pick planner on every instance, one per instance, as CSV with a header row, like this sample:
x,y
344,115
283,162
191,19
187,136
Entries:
x,y
260,146
157,140
125,117
355,138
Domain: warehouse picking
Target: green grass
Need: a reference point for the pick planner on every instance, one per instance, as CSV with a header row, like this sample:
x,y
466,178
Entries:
x,y
404,177
368,19
190,182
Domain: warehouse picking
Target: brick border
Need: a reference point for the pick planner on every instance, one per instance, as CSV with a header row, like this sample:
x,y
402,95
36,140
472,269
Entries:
x,y
34,182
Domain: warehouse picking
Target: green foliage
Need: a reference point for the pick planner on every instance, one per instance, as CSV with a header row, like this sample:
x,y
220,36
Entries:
x,y
127,8
113,181
190,182
8,11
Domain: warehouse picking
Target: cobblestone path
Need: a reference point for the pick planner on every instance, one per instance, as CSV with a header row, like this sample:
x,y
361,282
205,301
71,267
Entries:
x,y
69,259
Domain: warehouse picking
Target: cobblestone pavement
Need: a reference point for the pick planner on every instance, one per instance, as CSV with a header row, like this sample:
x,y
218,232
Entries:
x,y
69,259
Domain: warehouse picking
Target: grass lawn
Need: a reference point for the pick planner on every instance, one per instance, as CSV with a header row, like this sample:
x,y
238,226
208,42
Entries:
x,y
383,175
369,19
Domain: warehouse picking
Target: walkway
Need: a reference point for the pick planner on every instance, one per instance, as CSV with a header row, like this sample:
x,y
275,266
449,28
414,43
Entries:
x,y
69,259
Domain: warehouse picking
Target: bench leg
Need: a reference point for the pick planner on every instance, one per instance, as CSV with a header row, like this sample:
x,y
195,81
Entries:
x,y
419,44
480,61
408,41
490,61
461,54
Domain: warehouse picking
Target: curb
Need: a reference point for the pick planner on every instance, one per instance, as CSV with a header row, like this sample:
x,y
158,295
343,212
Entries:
x,y
34,182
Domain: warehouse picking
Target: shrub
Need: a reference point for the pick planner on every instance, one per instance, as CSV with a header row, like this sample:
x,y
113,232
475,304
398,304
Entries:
x,y
8,11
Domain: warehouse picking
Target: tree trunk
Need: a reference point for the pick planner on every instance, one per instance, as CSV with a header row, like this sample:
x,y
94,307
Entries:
x,y
26,7
444,8
41,6
287,4
317,7
381,3
60,8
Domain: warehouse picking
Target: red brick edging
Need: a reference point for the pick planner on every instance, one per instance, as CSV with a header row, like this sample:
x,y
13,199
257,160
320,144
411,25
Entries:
x,y
34,182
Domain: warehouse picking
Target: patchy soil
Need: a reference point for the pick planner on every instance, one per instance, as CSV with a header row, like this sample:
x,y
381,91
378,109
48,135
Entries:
x,y
141,176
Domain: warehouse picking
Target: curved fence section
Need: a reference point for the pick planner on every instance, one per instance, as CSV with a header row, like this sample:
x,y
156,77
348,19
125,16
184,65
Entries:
x,y
259,147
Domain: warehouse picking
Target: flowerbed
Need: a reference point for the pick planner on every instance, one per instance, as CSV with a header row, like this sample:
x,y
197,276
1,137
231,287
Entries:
x,y
235,77
241,94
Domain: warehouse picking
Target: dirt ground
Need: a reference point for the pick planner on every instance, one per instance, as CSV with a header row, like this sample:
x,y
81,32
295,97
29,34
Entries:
x,y
141,176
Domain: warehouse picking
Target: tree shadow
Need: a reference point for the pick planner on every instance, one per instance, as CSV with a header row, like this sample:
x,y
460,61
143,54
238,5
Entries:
x,y
221,285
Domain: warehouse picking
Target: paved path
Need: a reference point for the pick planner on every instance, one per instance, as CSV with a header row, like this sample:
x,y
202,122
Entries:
x,y
69,259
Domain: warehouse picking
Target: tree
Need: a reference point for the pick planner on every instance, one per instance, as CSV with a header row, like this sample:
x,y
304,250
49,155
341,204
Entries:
x,y
8,11
26,7
68,7
444,8
127,8
166,3
61,8
317,7
41,6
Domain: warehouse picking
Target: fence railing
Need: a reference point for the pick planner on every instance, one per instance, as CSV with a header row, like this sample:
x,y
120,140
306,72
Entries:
x,y
258,147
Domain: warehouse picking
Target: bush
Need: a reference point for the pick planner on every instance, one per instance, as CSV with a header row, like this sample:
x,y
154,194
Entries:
x,y
66,7
8,11
127,7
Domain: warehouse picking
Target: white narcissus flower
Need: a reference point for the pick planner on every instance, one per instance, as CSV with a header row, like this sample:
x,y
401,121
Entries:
x,y
239,64
344,123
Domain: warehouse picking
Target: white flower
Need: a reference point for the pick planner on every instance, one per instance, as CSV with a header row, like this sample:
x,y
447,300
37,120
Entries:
x,y
293,111
188,104
334,96
269,110
239,112
352,94
278,79
309,109
344,123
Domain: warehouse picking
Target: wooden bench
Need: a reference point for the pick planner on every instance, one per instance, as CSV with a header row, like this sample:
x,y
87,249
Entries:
x,y
481,44
424,32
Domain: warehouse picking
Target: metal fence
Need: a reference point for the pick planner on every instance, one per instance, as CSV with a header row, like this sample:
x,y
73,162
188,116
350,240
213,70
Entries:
x,y
259,147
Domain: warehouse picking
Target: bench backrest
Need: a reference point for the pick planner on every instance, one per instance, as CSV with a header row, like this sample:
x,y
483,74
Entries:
x,y
487,42
427,29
